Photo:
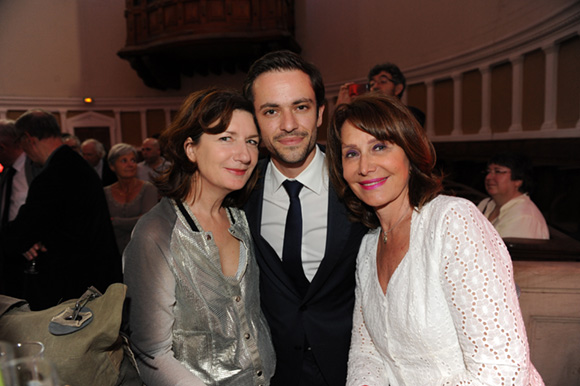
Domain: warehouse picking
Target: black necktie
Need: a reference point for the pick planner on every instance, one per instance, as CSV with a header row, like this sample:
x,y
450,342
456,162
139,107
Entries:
x,y
291,251
7,194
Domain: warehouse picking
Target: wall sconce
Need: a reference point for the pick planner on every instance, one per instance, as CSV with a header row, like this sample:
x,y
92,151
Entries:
x,y
88,100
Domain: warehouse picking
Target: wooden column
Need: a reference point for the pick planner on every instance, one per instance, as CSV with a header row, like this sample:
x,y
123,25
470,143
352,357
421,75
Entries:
x,y
117,135
485,100
430,108
457,105
143,116
551,88
517,93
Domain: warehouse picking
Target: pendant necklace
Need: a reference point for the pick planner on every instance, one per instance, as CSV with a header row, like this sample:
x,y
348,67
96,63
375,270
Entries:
x,y
385,233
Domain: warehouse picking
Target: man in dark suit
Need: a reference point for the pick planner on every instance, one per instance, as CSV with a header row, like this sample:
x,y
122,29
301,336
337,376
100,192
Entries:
x,y
307,286
64,223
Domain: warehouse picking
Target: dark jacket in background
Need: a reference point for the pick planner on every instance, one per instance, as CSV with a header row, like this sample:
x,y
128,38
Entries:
x,y
67,211
109,177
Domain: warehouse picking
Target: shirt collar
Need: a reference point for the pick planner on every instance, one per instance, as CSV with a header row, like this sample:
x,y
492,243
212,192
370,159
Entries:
x,y
310,177
52,155
99,166
19,163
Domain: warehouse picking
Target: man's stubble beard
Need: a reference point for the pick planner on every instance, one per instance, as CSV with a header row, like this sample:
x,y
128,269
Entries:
x,y
291,156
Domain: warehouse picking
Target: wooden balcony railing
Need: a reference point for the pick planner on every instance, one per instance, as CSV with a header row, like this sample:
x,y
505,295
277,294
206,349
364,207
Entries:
x,y
170,38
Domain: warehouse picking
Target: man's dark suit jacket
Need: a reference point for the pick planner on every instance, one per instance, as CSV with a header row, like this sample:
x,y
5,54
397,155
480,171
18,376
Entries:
x,y
323,318
109,177
66,210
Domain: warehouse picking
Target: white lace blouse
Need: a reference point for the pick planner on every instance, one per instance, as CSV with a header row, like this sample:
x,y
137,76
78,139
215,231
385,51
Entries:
x,y
450,315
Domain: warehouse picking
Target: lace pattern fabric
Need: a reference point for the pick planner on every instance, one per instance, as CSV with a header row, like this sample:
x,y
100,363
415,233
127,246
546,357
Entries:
x,y
450,315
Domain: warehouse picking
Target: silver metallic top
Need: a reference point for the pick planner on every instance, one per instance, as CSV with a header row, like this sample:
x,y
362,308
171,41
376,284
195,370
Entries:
x,y
200,326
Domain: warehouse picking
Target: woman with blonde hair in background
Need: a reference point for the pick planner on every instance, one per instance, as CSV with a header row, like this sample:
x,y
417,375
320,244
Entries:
x,y
129,198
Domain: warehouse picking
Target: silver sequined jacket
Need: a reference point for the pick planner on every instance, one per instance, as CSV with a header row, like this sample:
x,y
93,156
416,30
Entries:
x,y
201,327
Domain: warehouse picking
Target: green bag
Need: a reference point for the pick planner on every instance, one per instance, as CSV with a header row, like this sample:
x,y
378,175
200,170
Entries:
x,y
95,354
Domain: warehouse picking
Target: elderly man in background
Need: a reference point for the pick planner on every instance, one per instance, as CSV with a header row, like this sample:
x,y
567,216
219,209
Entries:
x,y
153,163
94,153
64,225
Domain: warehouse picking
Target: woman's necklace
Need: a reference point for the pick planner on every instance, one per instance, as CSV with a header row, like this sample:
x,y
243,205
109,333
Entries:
x,y
385,233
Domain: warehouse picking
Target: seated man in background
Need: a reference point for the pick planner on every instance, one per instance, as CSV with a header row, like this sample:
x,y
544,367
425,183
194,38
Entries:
x,y
508,181
153,163
387,79
94,153
64,224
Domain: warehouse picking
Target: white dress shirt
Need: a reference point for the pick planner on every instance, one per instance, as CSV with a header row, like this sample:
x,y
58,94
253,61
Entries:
x,y
314,203
99,168
19,187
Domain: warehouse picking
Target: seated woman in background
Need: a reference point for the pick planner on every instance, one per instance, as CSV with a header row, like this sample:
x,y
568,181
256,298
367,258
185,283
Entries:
x,y
508,181
190,267
128,198
435,296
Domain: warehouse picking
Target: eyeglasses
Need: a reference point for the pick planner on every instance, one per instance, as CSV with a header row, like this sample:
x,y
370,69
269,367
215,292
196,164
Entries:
x,y
382,81
496,171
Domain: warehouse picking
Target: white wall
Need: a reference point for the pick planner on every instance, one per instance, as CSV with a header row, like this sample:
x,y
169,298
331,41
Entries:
x,y
345,38
68,48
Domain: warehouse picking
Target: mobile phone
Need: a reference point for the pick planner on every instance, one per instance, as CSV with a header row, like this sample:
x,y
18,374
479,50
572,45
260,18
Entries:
x,y
357,89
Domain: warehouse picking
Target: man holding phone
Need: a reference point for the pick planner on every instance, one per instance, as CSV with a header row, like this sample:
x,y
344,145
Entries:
x,y
385,78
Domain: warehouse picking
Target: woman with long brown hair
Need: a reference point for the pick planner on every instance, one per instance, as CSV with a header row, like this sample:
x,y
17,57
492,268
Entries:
x,y
190,266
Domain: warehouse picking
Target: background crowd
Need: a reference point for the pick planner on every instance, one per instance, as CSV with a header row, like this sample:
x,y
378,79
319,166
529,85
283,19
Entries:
x,y
367,274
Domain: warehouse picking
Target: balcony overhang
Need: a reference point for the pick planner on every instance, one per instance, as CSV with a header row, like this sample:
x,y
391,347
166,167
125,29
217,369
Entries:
x,y
167,39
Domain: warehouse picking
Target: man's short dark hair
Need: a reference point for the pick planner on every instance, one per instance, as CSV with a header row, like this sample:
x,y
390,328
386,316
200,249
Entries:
x,y
38,123
284,61
396,75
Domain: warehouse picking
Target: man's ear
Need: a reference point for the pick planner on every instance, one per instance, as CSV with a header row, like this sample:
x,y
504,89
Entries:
x,y
320,116
189,147
398,89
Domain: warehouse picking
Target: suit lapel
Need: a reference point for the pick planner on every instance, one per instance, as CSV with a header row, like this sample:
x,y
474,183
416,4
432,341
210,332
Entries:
x,y
269,260
337,234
